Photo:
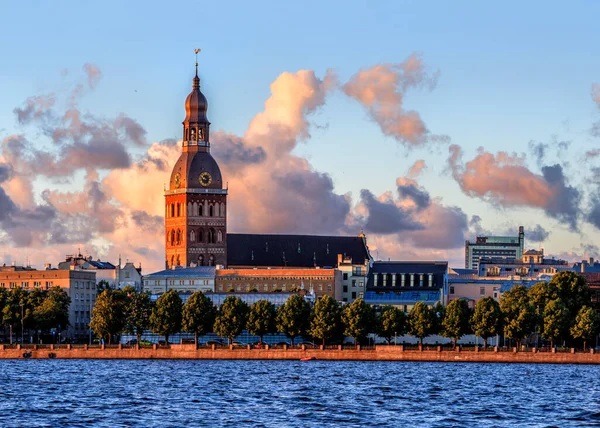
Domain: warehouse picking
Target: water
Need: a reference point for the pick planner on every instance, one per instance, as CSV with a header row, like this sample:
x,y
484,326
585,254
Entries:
x,y
293,393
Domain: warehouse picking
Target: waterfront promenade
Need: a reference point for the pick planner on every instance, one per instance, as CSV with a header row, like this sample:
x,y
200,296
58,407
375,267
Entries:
x,y
377,353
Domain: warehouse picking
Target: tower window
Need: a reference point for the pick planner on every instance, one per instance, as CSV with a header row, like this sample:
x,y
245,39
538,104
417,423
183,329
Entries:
x,y
192,236
210,211
219,236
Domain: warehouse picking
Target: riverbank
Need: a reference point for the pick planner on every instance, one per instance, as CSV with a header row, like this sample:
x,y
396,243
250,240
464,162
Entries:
x,y
378,353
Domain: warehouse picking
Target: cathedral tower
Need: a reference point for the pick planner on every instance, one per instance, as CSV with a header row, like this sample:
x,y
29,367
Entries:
x,y
196,200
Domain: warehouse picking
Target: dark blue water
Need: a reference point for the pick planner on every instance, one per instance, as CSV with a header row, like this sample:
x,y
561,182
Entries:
x,y
289,393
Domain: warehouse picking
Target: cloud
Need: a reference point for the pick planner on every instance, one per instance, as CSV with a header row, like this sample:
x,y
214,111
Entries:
x,y
381,90
408,188
416,168
504,179
537,234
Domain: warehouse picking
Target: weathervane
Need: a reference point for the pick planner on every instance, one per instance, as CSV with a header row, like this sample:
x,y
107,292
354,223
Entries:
x,y
196,51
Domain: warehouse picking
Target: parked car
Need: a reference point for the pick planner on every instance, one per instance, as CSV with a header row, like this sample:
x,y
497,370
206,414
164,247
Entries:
x,y
218,342
131,342
237,343
283,343
307,343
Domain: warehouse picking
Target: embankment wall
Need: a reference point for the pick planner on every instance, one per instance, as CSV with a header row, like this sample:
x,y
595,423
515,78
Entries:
x,y
380,353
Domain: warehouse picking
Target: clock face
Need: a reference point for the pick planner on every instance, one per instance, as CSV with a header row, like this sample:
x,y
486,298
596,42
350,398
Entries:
x,y
177,180
205,179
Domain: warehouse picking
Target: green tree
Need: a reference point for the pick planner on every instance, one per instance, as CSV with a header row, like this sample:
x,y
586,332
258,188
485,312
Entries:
x,y
556,320
261,319
199,315
487,319
14,310
167,314
325,318
586,325
53,310
439,313
358,319
390,322
231,318
102,285
293,317
34,299
421,321
540,294
138,308
572,289
519,317
107,315
456,322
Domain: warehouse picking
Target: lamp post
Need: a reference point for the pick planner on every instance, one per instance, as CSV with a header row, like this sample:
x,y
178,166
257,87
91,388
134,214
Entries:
x,y
22,329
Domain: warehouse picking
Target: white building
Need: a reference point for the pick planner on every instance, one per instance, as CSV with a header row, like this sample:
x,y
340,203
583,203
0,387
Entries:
x,y
181,279
116,276
354,278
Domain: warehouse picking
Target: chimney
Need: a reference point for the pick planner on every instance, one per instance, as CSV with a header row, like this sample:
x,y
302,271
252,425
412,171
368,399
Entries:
x,y
47,266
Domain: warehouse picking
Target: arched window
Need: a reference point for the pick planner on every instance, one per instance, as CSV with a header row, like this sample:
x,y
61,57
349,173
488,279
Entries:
x,y
211,236
178,261
172,210
200,260
200,236
178,211
192,236
219,236
193,134
172,239
200,209
195,209
178,236
210,211
211,260
216,210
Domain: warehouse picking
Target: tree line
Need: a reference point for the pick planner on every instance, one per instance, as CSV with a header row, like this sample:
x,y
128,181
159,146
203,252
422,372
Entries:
x,y
558,309
34,311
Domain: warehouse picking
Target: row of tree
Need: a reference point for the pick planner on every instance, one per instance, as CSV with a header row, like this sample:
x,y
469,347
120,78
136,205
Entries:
x,y
557,309
34,311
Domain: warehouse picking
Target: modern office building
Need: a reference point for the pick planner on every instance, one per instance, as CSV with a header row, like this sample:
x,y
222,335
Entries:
x,y
494,246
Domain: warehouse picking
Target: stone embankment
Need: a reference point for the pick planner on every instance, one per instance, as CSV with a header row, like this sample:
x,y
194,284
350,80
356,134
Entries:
x,y
378,353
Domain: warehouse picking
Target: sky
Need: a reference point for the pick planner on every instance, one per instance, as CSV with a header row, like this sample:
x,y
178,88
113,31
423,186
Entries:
x,y
421,123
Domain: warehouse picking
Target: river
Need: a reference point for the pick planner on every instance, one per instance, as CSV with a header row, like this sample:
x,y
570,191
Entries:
x,y
194,393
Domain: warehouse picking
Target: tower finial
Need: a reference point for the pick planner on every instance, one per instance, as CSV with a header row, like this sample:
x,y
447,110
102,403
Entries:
x,y
197,51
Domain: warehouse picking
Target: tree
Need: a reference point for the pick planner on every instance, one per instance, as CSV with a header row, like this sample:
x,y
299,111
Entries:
x,y
325,318
556,320
456,322
586,325
439,313
358,319
138,308
53,310
421,321
14,309
293,317
540,294
107,315
390,322
487,319
231,318
199,314
572,289
261,319
102,285
518,313
166,315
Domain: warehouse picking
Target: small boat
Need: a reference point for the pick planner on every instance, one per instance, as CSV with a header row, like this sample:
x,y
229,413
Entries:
x,y
307,358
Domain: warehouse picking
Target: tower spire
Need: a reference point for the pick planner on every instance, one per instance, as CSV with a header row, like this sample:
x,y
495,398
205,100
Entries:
x,y
196,78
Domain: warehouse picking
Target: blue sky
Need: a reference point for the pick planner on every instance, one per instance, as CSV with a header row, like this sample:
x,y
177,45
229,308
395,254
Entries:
x,y
509,73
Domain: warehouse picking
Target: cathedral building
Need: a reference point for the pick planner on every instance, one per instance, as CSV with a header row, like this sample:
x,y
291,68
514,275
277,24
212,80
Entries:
x,y
196,231
196,200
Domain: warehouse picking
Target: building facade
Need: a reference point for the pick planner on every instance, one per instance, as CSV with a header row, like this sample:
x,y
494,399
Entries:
x,y
494,246
354,278
79,284
182,280
402,284
321,282
118,276
196,200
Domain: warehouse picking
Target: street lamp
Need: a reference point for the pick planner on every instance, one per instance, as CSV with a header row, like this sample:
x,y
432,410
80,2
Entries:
x,y
22,329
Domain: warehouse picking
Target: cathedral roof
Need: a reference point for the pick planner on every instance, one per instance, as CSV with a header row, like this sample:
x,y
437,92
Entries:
x,y
293,250
196,103
190,166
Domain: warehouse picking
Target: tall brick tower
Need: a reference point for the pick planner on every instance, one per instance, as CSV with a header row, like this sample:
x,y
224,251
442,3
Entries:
x,y
196,201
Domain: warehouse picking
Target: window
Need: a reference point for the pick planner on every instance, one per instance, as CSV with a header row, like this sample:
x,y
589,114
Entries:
x,y
2,285
361,284
24,284
345,288
328,287
345,276
354,294
412,280
76,285
451,290
375,280
353,283
420,280
482,291
384,279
